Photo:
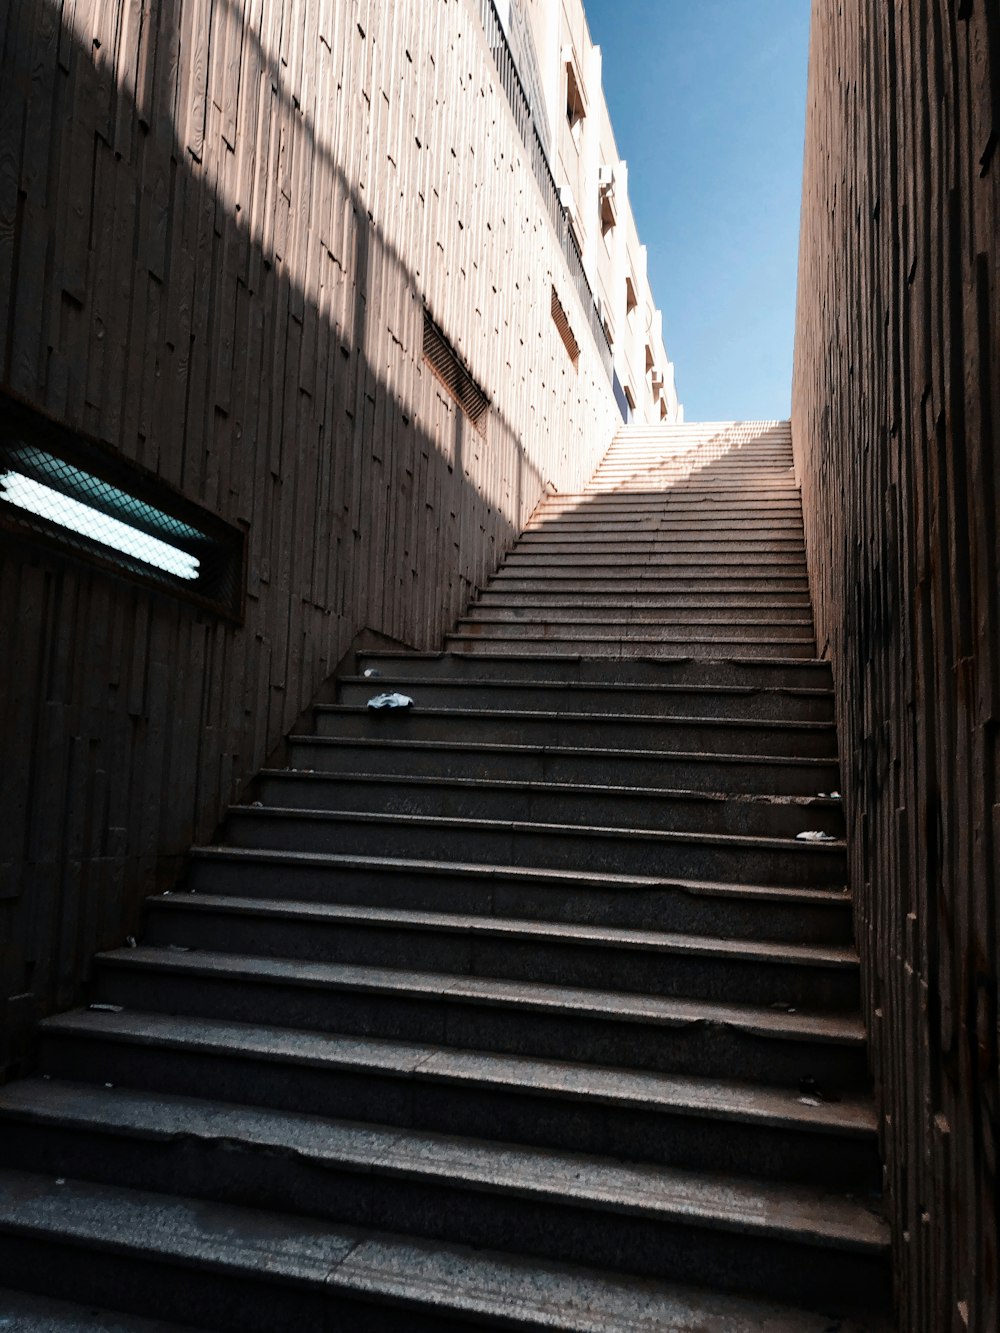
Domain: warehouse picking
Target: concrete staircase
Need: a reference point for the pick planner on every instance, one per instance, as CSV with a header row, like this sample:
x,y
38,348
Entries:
x,y
524,1008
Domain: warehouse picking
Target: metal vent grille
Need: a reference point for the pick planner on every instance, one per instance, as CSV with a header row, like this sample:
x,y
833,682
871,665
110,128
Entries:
x,y
67,492
443,360
565,332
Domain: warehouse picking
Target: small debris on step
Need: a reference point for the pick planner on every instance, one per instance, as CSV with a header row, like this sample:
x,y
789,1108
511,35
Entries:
x,y
814,835
106,1008
393,700
372,674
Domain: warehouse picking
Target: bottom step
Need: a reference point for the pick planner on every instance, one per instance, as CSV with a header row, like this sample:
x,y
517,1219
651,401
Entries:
x,y
21,1312
252,1272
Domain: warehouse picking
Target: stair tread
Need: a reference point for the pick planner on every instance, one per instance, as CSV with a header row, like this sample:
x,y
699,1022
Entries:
x,y
853,1115
426,1276
846,1029
664,689
530,874
812,1215
666,942
554,715
817,664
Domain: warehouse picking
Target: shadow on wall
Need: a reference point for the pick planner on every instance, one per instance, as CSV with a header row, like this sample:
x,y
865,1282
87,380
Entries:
x,y
137,306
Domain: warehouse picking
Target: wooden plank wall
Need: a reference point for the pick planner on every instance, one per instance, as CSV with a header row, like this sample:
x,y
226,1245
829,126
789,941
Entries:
x,y
896,402
219,222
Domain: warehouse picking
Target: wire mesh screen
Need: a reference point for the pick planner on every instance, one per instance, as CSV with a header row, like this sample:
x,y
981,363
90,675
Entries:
x,y
444,361
44,495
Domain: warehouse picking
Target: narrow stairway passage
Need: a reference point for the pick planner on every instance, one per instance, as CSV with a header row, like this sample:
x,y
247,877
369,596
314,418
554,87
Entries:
x,y
526,1007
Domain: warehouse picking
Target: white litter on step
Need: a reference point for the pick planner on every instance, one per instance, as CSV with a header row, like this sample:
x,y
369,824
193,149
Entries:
x,y
107,1008
371,673
814,835
393,700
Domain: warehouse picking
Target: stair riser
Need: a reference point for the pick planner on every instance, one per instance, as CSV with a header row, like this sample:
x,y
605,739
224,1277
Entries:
x,y
763,561
574,524
775,777
689,815
447,1020
800,864
659,635
727,980
627,732
668,544
622,647
745,705
546,1228
737,917
195,1296
503,595
634,671
613,617
693,591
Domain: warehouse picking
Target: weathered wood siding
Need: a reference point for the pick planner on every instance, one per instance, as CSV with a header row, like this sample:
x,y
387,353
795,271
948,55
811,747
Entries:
x,y
896,401
219,223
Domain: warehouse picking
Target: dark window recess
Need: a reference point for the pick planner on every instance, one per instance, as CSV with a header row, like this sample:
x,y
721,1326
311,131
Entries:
x,y
565,332
69,492
444,361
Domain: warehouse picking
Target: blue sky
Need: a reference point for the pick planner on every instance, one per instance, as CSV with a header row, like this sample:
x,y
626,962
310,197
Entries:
x,y
707,99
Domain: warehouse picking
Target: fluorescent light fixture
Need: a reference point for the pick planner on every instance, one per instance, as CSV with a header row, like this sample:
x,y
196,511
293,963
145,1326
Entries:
x,y
36,498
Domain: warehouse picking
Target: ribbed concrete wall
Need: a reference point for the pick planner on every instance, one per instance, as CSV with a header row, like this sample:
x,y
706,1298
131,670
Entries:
x,y
219,225
895,415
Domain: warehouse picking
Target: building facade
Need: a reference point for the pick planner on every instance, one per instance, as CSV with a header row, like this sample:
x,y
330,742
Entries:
x,y
292,285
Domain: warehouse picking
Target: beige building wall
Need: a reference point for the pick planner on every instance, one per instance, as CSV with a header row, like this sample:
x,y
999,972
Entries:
x,y
594,182
220,229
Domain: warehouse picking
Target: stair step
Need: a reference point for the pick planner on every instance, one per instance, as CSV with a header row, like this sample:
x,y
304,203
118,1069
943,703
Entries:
x,y
640,605
384,754
667,1221
808,673
268,1272
651,962
596,629
714,1124
548,802
796,703
685,555
21,1312
616,850
621,615
476,1013
752,912
620,646
635,731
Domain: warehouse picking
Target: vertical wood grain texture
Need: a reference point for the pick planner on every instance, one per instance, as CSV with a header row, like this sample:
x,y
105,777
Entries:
x,y
219,223
896,396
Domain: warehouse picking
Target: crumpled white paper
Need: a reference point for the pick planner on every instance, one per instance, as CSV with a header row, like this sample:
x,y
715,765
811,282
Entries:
x,y
814,835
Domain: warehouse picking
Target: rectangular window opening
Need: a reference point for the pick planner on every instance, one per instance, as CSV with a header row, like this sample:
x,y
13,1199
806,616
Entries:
x,y
561,320
576,102
70,493
454,376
